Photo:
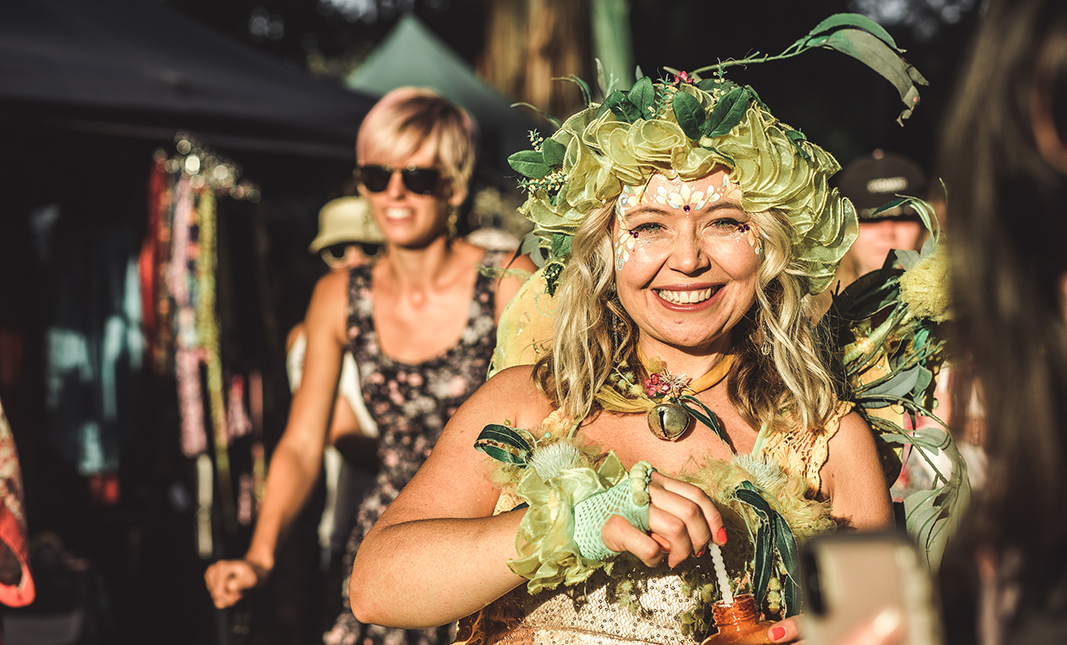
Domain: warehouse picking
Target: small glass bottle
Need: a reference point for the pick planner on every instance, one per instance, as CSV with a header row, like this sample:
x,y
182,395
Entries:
x,y
739,624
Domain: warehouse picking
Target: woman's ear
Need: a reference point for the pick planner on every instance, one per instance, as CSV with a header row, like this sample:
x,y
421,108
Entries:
x,y
457,196
359,184
1049,141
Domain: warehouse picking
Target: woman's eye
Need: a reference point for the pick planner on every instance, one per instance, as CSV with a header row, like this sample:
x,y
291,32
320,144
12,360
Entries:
x,y
648,227
725,226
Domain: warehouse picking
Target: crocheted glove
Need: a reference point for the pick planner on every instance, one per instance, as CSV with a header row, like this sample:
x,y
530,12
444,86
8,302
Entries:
x,y
629,498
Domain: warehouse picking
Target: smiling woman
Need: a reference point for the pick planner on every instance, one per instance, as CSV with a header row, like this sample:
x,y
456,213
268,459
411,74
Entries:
x,y
684,413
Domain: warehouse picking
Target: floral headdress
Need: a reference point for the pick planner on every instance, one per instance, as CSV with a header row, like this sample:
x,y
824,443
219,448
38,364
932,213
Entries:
x,y
684,127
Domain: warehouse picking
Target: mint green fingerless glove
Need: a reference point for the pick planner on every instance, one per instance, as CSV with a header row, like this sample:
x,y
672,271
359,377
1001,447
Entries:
x,y
628,498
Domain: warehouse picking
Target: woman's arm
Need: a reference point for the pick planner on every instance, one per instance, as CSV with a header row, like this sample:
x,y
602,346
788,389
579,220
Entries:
x,y
297,459
853,479
437,553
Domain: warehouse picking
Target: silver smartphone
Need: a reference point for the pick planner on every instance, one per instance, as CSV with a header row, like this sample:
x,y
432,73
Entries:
x,y
850,578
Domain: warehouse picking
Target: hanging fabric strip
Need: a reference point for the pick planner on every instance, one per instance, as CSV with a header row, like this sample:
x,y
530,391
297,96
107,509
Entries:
x,y
244,499
148,258
238,424
255,404
187,356
208,332
163,340
204,496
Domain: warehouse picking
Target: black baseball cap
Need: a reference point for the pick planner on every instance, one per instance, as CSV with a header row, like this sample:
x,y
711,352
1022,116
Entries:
x,y
876,179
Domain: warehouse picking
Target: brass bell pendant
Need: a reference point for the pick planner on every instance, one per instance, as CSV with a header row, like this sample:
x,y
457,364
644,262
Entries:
x,y
668,421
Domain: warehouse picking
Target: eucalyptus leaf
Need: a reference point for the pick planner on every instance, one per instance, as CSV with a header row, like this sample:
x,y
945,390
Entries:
x,y
839,20
505,436
707,417
764,540
712,84
552,152
529,163
727,113
546,116
876,54
500,454
934,436
689,112
621,106
786,544
643,96
905,258
561,245
795,137
582,85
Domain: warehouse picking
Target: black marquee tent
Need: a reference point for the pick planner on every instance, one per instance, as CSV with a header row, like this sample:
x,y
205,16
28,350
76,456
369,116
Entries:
x,y
138,68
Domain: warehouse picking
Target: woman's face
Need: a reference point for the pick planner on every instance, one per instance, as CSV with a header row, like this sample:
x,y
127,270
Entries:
x,y
408,218
878,237
686,260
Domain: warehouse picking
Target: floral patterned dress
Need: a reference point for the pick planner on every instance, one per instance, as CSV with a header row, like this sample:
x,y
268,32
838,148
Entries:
x,y
411,404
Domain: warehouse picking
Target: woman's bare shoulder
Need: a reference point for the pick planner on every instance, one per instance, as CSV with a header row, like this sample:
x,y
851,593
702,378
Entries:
x,y
513,396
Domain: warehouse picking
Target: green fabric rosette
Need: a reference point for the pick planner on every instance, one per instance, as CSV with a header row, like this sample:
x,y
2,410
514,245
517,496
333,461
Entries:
x,y
547,552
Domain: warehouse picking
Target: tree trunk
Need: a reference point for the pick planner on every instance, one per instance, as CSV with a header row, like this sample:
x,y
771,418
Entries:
x,y
531,42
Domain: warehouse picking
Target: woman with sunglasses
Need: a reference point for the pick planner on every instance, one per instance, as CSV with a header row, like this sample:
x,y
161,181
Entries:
x,y
420,323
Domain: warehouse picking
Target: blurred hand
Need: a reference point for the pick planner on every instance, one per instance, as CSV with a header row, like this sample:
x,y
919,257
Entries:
x,y
228,580
683,521
882,629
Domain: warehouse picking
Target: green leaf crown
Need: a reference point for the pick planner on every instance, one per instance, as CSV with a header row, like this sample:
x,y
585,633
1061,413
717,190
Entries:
x,y
686,126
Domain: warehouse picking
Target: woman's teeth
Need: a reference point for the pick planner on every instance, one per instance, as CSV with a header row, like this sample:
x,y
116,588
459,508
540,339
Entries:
x,y
687,297
397,213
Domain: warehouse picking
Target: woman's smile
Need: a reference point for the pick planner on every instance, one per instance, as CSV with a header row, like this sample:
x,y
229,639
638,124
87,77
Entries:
x,y
685,272
687,296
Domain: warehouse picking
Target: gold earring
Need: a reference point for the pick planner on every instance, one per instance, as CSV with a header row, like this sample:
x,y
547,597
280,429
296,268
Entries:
x,y
453,222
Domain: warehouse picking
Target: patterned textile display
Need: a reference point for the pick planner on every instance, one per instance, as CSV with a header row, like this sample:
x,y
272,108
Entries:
x,y
13,521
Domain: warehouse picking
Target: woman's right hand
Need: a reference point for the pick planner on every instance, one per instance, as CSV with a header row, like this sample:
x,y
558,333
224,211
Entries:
x,y
682,519
228,580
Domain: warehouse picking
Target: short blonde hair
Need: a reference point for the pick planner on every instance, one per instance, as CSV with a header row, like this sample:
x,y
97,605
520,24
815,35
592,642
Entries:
x,y
408,118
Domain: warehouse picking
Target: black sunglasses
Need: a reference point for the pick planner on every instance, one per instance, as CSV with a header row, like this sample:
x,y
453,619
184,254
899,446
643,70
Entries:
x,y
340,250
422,181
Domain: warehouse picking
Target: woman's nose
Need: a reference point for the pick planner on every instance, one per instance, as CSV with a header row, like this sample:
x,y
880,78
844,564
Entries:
x,y
688,254
396,187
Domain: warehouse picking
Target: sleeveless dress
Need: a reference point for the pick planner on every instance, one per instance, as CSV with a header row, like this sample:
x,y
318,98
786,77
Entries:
x,y
411,404
636,604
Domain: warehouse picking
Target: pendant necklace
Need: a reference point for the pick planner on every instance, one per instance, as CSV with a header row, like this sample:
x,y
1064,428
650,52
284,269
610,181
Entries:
x,y
667,399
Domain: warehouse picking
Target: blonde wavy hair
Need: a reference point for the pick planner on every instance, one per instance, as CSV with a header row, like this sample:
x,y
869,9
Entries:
x,y
792,386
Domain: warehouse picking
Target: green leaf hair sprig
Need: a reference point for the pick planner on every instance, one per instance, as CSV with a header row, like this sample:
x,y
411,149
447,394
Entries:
x,y
859,37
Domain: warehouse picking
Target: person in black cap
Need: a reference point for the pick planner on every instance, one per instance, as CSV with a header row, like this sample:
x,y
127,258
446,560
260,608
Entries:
x,y
871,182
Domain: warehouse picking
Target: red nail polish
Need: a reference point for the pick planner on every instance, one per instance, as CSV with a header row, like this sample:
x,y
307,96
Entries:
x,y
700,553
777,632
721,535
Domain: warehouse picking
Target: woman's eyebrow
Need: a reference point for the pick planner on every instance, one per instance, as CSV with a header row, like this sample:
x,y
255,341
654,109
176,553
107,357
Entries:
x,y
655,208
